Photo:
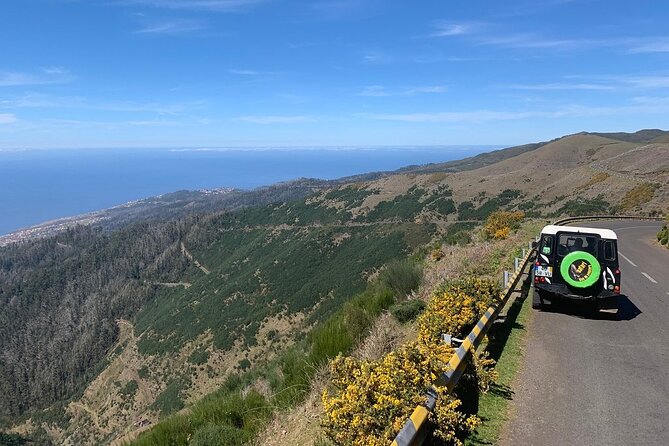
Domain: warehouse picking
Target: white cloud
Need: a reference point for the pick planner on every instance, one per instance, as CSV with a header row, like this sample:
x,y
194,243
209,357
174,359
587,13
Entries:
x,y
380,91
7,118
49,75
171,28
244,72
373,91
444,29
375,58
277,119
660,45
564,86
480,116
37,100
452,117
427,89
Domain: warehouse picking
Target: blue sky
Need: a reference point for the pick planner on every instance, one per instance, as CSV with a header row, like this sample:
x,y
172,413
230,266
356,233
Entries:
x,y
217,73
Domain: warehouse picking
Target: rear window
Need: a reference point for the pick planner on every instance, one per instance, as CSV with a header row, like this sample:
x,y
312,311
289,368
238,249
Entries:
x,y
609,250
576,242
546,246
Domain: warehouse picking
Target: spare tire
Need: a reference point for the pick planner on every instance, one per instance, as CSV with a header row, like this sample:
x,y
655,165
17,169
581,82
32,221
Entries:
x,y
580,269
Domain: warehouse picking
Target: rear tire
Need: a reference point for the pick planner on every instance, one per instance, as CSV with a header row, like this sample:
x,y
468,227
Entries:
x,y
537,302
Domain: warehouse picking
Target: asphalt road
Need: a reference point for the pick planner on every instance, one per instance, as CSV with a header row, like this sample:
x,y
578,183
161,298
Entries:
x,y
601,379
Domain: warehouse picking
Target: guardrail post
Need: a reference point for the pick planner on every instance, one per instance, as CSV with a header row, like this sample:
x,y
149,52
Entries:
x,y
506,278
524,252
529,245
515,264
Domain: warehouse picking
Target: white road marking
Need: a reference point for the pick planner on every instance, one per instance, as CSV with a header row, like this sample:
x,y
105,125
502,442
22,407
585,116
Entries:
x,y
625,257
649,278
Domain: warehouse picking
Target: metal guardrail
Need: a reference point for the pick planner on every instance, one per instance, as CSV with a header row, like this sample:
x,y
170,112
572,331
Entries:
x,y
605,217
414,431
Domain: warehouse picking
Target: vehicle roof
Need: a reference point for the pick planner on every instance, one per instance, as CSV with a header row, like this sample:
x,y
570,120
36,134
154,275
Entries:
x,y
603,233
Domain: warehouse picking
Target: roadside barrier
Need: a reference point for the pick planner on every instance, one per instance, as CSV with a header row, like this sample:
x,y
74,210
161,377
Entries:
x,y
415,430
605,217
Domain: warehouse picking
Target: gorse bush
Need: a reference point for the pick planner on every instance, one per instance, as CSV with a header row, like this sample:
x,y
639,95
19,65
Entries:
x,y
372,399
499,224
369,401
456,307
637,196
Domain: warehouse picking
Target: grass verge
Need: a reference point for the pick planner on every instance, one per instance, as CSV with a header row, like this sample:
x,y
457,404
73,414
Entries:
x,y
507,349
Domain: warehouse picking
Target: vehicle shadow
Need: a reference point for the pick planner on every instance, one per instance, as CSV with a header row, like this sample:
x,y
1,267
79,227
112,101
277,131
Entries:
x,y
626,310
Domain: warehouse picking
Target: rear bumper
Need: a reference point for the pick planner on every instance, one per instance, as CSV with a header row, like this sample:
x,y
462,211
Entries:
x,y
553,292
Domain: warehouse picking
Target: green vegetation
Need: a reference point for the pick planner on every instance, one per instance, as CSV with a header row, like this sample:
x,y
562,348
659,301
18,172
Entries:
x,y
407,206
170,400
467,210
199,357
222,418
129,389
459,233
663,236
402,276
12,440
289,377
351,196
407,310
575,208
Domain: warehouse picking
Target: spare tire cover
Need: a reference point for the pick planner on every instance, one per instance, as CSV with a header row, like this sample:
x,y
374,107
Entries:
x,y
580,269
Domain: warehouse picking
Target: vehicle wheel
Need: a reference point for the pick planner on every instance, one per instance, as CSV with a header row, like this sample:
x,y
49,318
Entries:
x,y
537,302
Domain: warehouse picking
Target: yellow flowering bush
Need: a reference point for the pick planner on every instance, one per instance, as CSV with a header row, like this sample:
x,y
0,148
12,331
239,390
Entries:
x,y
499,224
369,401
456,307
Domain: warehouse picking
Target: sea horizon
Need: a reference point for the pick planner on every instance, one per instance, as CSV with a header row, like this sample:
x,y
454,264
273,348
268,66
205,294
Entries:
x,y
42,185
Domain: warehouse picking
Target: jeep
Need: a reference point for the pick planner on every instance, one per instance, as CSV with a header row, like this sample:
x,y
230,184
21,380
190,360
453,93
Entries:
x,y
576,264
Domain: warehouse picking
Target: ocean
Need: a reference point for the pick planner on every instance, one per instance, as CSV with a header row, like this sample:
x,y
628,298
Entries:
x,y
42,185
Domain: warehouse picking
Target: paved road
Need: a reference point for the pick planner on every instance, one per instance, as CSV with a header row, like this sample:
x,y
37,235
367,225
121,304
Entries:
x,y
601,379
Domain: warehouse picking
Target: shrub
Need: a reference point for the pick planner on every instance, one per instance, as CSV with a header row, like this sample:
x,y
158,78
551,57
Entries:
x,y
408,310
370,400
663,236
199,357
456,307
499,224
637,196
575,208
169,400
402,277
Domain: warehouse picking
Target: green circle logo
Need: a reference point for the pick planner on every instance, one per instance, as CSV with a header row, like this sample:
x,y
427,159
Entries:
x,y
580,269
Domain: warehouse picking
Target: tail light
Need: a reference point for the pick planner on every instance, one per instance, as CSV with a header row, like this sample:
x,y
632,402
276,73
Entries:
x,y
616,289
542,279
617,272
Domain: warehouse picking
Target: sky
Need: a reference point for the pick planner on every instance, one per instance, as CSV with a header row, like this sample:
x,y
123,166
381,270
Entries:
x,y
263,73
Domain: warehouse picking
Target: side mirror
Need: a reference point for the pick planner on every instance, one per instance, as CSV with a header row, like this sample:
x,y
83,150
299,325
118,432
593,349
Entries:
x,y
534,245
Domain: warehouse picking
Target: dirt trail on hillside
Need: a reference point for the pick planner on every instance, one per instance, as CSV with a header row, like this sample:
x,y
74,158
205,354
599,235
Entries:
x,y
190,257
